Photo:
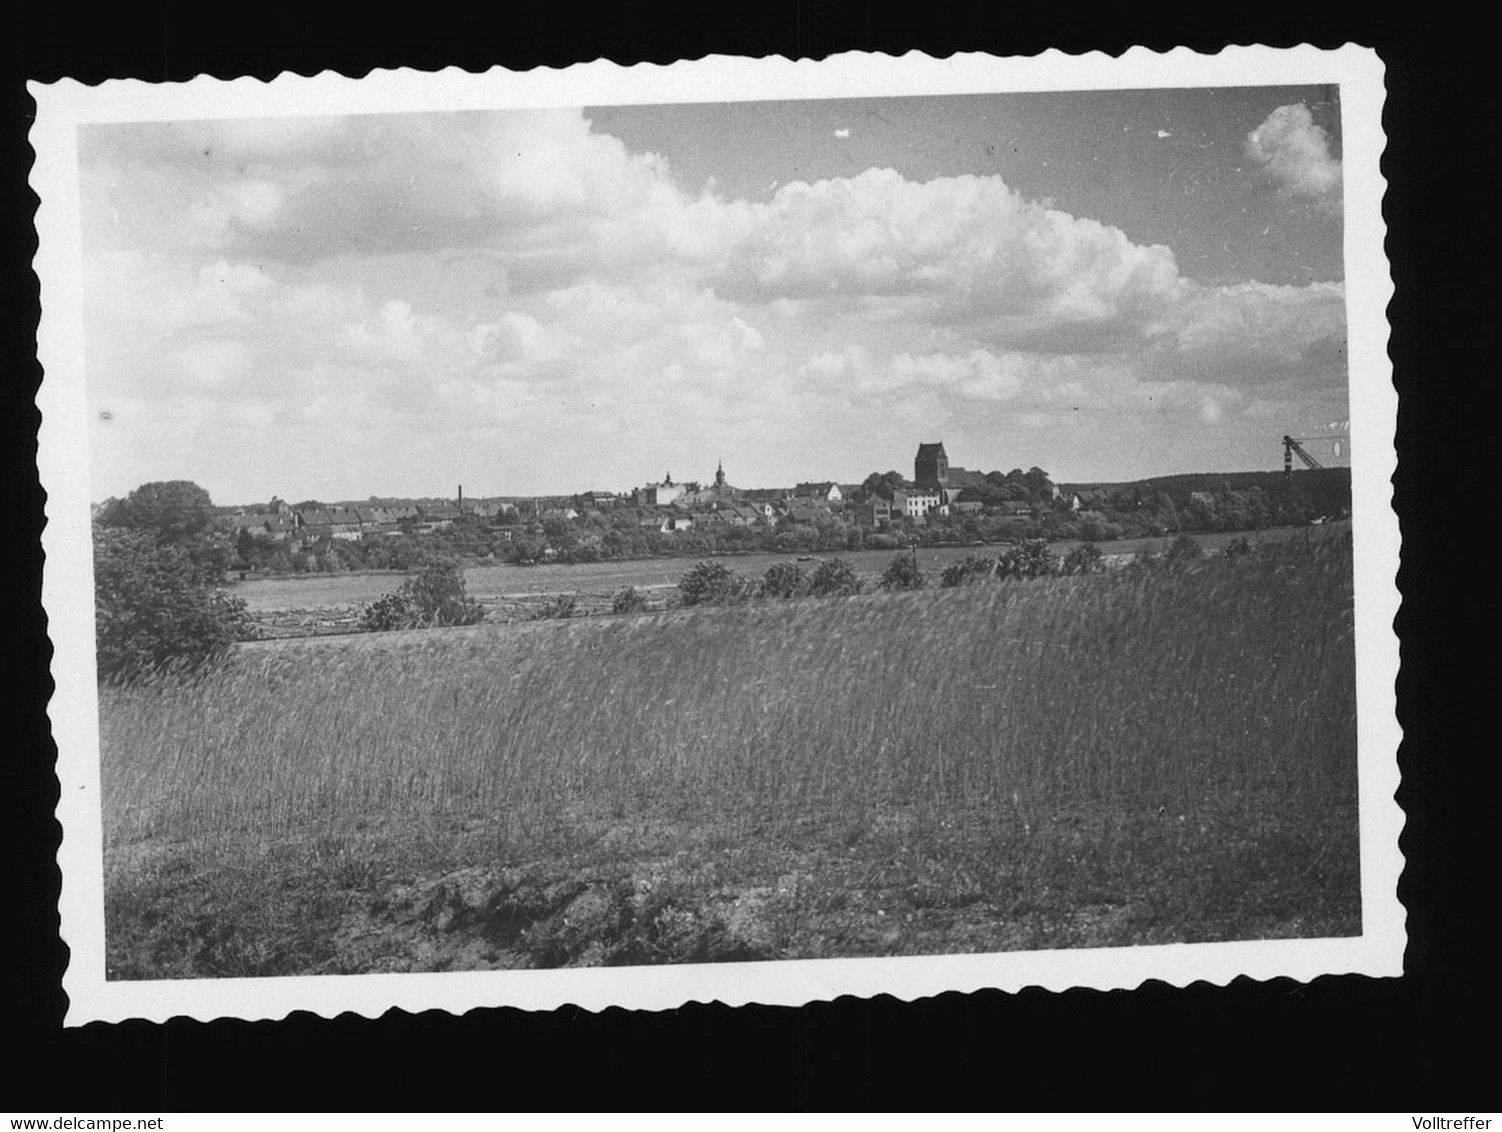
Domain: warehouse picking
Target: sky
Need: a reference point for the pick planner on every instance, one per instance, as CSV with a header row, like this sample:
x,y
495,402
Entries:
x,y
1107,285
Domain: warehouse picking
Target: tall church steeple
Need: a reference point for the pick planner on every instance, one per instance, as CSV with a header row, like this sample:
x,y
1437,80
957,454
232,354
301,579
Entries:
x,y
719,476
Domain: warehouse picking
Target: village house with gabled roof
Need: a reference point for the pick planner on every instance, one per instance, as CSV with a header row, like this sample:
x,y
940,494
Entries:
x,y
437,516
597,500
328,522
281,527
397,514
825,490
744,515
374,521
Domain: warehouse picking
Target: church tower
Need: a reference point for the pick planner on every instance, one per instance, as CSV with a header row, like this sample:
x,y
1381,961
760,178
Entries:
x,y
931,467
719,477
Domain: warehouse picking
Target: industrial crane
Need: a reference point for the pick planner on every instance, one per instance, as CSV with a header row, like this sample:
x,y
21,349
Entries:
x,y
1295,444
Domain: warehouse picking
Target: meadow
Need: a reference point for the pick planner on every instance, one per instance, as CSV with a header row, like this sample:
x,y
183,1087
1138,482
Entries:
x,y
1163,753
301,605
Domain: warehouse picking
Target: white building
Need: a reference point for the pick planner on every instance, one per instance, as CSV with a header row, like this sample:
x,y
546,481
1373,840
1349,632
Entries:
x,y
912,502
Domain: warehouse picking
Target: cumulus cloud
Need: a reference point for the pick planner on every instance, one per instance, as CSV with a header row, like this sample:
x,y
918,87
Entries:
x,y
1294,152
418,279
967,246
842,133
978,374
1257,334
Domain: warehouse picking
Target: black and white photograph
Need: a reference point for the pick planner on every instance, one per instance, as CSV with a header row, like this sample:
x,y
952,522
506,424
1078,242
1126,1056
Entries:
x,y
789,531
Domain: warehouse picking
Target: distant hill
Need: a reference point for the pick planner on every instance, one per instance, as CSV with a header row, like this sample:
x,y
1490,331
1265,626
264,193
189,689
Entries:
x,y
1328,488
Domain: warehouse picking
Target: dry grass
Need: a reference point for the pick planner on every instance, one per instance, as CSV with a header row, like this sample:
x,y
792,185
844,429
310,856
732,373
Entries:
x,y
1177,742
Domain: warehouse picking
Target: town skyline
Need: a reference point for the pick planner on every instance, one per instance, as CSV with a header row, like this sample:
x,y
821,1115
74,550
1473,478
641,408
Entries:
x,y
467,492
1108,285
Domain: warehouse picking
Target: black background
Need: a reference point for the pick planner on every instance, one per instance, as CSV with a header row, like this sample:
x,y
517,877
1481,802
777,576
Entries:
x,y
1344,1043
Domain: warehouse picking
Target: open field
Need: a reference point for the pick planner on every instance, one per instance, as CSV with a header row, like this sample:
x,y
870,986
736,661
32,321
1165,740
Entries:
x,y
306,604
1150,755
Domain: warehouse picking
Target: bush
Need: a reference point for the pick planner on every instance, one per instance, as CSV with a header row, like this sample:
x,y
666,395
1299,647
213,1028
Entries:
x,y
558,607
834,578
433,597
903,573
154,608
1086,559
784,580
709,583
1030,558
628,600
970,569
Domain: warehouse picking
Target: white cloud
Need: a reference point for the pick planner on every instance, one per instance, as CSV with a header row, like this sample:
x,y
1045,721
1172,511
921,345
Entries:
x,y
310,276
1258,333
978,374
392,335
842,133
520,340
1295,152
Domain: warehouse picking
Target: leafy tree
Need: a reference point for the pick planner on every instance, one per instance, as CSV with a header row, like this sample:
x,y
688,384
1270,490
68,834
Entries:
x,y
628,600
1039,486
527,548
559,531
154,609
708,583
178,513
433,597
785,580
834,577
903,573
880,483
174,511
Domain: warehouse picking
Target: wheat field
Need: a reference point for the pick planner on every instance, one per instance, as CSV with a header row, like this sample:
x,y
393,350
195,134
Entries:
x,y
1171,740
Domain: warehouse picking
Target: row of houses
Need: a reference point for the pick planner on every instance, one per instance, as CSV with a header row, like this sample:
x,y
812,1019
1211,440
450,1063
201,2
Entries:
x,y
670,507
934,490
287,524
